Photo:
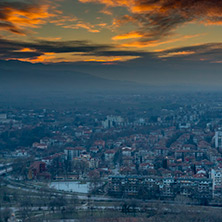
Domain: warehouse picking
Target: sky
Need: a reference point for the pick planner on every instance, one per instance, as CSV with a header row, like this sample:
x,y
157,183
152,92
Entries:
x,y
162,36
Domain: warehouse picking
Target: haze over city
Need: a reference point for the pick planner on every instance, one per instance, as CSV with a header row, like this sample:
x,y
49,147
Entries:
x,y
110,110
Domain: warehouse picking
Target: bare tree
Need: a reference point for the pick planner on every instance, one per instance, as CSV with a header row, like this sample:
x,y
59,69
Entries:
x,y
5,214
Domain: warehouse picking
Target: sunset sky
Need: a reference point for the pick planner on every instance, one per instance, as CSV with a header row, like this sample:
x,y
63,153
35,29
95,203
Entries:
x,y
111,32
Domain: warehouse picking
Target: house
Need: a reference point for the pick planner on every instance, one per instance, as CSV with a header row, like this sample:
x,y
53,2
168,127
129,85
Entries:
x,y
38,170
109,155
40,146
100,144
127,151
161,151
94,150
146,166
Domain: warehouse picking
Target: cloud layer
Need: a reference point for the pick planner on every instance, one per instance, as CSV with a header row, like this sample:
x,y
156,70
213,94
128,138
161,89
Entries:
x,y
159,18
53,51
155,20
35,50
16,16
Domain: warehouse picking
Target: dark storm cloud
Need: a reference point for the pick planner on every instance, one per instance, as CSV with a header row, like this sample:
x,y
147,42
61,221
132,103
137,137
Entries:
x,y
66,46
159,18
211,52
10,49
17,49
11,28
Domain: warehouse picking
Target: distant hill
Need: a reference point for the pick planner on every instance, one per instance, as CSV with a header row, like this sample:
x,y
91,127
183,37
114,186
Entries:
x,y
25,77
24,80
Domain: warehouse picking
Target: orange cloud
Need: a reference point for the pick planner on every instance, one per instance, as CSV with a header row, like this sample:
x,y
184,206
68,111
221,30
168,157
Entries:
x,y
153,43
67,57
102,24
46,58
218,62
16,16
62,51
144,8
210,52
72,22
130,35
124,19
111,59
103,60
62,20
173,54
106,12
83,25
27,50
211,22
49,38
111,3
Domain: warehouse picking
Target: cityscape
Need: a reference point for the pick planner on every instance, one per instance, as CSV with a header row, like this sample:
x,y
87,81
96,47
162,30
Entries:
x,y
110,111
170,153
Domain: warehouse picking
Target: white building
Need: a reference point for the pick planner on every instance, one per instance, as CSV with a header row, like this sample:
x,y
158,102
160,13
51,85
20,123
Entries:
x,y
72,152
218,139
216,176
184,125
127,151
112,121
